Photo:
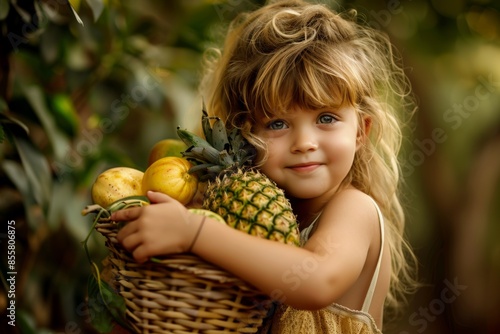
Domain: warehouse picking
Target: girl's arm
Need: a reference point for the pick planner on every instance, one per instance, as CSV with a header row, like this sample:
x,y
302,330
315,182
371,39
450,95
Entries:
x,y
308,278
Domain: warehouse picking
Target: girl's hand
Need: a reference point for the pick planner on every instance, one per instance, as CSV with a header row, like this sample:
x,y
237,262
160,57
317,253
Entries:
x,y
164,227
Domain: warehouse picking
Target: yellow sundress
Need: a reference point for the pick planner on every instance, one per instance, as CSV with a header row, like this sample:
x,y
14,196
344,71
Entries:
x,y
334,319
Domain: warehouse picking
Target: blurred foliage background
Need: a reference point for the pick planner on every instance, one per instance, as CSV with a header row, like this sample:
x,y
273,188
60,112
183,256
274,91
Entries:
x,y
76,99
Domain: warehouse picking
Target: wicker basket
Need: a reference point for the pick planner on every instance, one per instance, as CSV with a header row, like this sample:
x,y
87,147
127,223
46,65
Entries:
x,y
182,294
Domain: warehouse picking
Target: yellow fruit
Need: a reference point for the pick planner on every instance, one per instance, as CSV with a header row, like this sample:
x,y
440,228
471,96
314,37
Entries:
x,y
170,176
116,183
207,213
166,148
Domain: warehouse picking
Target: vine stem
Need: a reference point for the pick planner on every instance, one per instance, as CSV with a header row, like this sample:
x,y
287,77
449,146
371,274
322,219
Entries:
x,y
101,212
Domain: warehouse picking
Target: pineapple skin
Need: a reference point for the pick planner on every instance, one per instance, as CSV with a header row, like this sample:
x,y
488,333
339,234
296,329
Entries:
x,y
251,202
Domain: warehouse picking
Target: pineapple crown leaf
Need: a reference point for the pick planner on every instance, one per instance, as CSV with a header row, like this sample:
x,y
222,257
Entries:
x,y
205,123
219,150
220,140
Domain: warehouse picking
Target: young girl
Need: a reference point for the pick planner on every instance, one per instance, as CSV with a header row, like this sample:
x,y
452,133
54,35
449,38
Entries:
x,y
318,95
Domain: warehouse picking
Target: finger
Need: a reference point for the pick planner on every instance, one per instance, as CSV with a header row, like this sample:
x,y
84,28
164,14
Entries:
x,y
126,214
140,254
158,197
131,242
127,230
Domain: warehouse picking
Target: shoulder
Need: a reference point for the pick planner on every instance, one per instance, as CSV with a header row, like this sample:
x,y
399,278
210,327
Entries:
x,y
351,201
351,194
353,211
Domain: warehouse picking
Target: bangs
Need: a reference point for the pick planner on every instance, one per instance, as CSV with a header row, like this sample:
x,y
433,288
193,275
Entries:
x,y
295,57
286,81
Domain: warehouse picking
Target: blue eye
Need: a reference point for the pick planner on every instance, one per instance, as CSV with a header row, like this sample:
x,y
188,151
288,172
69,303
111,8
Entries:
x,y
326,119
276,125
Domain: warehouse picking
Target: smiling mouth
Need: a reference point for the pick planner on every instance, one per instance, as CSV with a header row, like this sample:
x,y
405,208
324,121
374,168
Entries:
x,y
307,167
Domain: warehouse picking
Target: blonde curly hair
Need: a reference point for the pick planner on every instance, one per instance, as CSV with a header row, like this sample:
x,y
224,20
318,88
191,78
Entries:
x,y
294,53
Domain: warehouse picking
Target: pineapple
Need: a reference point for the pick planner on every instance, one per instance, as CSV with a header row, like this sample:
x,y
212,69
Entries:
x,y
246,198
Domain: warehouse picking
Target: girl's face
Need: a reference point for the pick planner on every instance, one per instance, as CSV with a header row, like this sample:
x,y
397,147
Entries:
x,y
310,152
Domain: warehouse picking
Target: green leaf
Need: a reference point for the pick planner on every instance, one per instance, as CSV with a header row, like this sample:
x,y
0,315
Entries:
x,y
17,175
100,317
37,170
61,193
59,141
102,294
15,172
8,120
71,5
24,13
65,114
97,7
75,223
113,301
4,9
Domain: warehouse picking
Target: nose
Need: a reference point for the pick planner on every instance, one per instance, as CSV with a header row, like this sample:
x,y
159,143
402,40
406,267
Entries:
x,y
304,141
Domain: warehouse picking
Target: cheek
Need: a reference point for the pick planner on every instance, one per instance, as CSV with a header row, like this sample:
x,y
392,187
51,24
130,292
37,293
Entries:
x,y
271,165
264,156
342,150
271,148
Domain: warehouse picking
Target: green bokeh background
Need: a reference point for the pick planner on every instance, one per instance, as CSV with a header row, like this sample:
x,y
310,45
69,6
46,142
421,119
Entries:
x,y
78,99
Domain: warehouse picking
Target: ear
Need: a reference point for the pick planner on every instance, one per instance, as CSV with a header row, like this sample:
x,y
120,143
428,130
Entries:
x,y
363,131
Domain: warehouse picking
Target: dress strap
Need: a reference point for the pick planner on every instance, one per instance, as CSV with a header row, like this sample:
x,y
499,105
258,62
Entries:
x,y
373,284
304,234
